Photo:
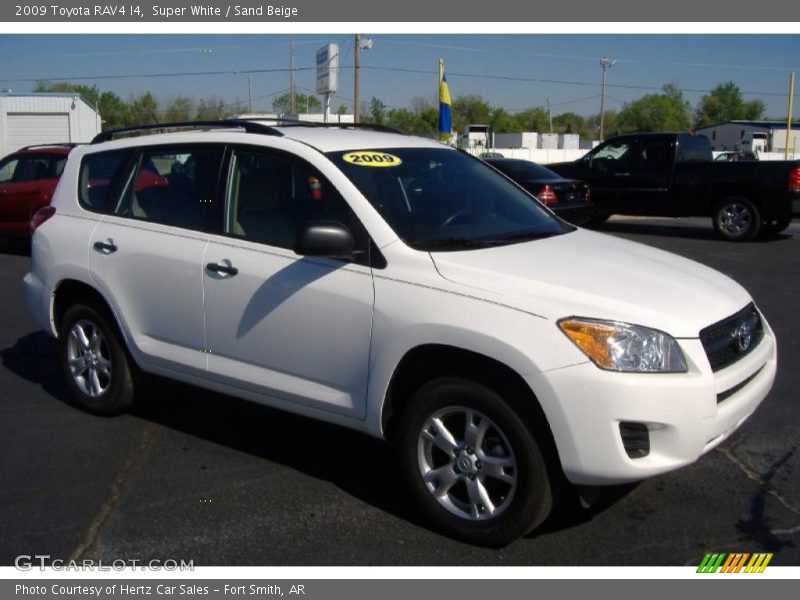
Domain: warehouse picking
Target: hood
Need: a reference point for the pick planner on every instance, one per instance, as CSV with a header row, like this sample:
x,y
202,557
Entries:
x,y
589,274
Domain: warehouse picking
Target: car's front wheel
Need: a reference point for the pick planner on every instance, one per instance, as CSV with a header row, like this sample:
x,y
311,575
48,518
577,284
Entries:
x,y
95,364
473,466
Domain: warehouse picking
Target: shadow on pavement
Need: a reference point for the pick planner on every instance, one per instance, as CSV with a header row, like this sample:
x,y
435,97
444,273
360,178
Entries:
x,y
359,465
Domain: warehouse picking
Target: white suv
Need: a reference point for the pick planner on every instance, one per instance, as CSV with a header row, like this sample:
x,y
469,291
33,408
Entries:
x,y
396,286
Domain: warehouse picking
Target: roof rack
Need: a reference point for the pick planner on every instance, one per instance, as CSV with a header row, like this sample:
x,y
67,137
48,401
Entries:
x,y
56,145
248,126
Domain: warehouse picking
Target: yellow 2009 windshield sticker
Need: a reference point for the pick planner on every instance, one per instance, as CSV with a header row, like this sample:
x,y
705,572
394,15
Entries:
x,y
372,158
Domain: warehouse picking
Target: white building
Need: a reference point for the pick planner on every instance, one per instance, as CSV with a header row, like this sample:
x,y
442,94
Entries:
x,y
34,119
758,136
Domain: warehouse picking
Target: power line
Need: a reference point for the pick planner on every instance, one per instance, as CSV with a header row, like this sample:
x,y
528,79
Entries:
x,y
553,81
153,75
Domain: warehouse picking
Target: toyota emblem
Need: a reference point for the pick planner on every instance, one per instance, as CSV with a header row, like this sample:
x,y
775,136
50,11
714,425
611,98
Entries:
x,y
744,336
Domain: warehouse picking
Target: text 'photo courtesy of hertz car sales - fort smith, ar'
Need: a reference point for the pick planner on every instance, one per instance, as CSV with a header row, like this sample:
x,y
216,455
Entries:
x,y
399,287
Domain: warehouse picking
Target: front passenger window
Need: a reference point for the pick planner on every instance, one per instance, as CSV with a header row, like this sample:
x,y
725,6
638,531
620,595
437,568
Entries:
x,y
271,195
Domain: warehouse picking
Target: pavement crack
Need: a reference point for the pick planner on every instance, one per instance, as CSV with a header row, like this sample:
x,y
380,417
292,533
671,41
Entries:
x,y
763,483
135,461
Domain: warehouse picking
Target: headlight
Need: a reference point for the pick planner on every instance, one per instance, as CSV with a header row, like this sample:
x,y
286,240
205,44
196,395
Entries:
x,y
623,347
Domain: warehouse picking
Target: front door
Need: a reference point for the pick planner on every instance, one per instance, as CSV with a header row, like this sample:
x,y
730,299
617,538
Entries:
x,y
291,328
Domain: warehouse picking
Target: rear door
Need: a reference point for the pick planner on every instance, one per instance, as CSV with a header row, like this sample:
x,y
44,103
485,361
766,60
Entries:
x,y
146,254
26,181
650,181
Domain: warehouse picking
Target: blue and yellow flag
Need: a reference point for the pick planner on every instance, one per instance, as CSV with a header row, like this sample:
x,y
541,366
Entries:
x,y
445,117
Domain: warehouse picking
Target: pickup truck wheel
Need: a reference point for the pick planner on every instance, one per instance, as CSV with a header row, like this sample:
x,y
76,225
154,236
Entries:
x,y
474,468
737,219
96,366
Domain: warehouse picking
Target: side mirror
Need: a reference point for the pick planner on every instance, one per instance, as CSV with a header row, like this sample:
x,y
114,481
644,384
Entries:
x,y
333,240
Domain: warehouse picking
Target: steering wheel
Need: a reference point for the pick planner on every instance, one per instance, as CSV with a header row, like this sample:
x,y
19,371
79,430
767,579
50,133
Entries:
x,y
453,218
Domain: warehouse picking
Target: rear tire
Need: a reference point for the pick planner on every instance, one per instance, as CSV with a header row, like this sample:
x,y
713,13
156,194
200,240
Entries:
x,y
473,467
737,219
94,361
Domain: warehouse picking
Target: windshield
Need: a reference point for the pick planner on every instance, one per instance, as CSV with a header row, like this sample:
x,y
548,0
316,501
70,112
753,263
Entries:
x,y
442,199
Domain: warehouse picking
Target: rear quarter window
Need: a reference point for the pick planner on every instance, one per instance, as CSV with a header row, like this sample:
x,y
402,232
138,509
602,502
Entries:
x,y
102,177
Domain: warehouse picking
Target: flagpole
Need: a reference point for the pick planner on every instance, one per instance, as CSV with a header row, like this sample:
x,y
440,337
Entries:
x,y
439,83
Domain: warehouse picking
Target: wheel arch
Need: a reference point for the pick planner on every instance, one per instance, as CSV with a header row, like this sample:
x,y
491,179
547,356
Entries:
x,y
428,361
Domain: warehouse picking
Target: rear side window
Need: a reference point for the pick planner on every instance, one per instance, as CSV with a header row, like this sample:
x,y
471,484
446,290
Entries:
x,y
101,179
175,186
694,148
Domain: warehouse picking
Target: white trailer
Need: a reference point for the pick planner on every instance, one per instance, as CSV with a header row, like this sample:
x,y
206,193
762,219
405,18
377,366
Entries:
x,y
34,119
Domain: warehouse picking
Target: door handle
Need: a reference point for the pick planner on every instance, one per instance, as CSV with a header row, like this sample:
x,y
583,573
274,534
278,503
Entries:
x,y
218,268
108,247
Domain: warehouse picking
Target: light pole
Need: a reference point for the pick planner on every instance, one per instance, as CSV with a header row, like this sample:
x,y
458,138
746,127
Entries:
x,y
606,63
550,115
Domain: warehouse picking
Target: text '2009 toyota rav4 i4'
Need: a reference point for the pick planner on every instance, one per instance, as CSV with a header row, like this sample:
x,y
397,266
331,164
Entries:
x,y
396,286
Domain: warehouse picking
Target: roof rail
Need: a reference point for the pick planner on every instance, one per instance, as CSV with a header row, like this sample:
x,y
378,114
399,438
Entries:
x,y
248,126
298,123
56,145
284,122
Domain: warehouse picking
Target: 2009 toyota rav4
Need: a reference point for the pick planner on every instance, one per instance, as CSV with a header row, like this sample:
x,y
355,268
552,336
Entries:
x,y
402,288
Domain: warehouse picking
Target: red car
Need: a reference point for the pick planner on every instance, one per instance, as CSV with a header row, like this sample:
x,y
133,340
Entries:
x,y
28,178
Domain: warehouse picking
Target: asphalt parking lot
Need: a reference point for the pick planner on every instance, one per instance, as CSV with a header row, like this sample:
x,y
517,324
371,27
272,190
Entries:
x,y
197,476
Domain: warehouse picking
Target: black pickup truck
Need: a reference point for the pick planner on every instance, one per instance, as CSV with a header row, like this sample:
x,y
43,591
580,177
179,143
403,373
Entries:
x,y
673,175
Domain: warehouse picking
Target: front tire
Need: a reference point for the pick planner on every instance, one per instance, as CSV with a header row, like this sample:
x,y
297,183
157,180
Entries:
x,y
737,219
95,364
473,467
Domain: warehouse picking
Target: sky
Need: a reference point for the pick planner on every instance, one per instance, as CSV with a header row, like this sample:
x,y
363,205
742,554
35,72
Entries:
x,y
513,71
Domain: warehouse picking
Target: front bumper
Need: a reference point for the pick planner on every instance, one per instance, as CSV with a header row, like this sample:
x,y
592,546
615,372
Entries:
x,y
686,414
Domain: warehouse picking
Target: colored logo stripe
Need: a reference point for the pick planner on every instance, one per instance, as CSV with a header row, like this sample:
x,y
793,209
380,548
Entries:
x,y
734,562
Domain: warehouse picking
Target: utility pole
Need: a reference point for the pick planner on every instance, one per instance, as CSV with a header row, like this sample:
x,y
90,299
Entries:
x,y
292,84
356,76
606,63
360,44
249,92
789,118
550,115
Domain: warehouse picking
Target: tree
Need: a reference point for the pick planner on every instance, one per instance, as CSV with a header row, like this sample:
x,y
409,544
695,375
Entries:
x,y
179,109
667,111
470,109
377,111
503,122
533,119
610,125
725,103
112,109
569,122
143,109
213,108
305,103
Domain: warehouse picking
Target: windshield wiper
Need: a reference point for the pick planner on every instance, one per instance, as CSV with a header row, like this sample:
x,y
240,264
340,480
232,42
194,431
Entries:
x,y
522,236
449,242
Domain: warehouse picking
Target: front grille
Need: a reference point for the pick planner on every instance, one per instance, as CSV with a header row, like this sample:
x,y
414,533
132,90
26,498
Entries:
x,y
732,338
